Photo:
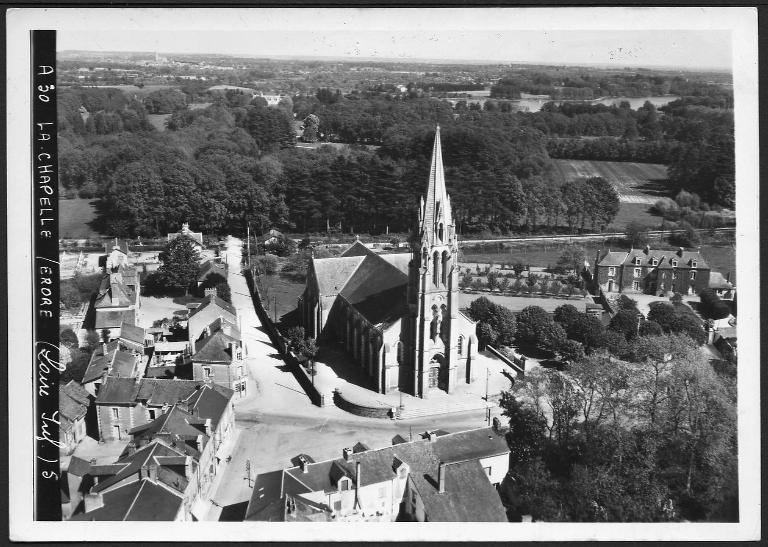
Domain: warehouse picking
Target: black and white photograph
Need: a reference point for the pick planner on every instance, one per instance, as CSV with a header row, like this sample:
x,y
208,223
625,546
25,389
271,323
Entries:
x,y
383,268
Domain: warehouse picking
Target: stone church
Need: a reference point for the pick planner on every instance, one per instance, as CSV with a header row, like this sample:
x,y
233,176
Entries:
x,y
398,314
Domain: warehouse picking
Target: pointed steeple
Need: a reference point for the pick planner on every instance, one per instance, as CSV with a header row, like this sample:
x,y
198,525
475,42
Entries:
x,y
437,209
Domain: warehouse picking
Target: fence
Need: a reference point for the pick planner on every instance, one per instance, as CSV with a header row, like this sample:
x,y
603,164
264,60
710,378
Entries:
x,y
305,381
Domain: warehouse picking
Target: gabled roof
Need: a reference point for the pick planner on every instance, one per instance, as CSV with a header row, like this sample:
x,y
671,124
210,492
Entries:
x,y
177,422
357,249
78,466
100,361
114,285
209,267
109,319
373,276
74,401
124,364
132,464
214,348
332,273
132,333
218,303
137,501
398,260
718,281
154,392
473,444
612,258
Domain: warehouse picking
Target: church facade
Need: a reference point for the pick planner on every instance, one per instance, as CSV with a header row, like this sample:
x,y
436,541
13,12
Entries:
x,y
398,315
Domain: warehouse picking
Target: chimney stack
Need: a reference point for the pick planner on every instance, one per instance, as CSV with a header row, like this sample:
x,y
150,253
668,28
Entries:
x,y
647,249
210,293
304,464
209,427
432,436
199,443
680,252
347,453
188,467
441,478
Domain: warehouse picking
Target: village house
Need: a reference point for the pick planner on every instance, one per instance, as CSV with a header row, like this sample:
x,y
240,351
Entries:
x,y
218,356
125,403
660,272
76,416
195,237
209,268
118,299
207,312
75,483
112,359
398,314
438,478
178,450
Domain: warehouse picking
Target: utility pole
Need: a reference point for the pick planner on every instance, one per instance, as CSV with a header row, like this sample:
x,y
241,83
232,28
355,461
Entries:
x,y
487,378
248,472
275,316
249,244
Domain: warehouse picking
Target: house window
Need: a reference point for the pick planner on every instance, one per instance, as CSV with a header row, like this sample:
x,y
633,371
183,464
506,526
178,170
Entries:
x,y
693,275
337,505
239,372
636,285
655,262
487,471
674,275
461,344
115,413
612,271
674,263
637,272
344,484
693,264
152,414
637,261
206,372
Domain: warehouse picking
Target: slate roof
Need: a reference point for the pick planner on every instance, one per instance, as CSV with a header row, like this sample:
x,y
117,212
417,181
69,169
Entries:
x,y
154,392
398,260
78,466
373,276
468,496
74,401
332,273
718,281
214,348
357,249
664,256
100,362
132,333
110,319
209,267
175,425
216,302
612,258
138,501
384,307
132,464
125,292
266,501
124,364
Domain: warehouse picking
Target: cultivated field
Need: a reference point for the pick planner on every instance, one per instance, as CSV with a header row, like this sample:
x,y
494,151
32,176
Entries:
x,y
638,183
74,216
158,120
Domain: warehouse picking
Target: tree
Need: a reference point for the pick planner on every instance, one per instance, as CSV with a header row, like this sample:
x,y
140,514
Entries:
x,y
686,323
526,430
295,337
650,328
625,322
266,264
486,334
588,330
530,321
566,315
180,264
626,303
519,268
616,344
311,128
572,258
570,351
663,314
224,292
68,338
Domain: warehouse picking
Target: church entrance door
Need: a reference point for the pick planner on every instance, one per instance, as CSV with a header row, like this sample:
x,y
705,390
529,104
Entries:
x,y
436,373
434,376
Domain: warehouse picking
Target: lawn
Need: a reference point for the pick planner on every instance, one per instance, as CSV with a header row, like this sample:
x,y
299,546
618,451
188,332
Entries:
x,y
158,120
283,290
74,216
634,182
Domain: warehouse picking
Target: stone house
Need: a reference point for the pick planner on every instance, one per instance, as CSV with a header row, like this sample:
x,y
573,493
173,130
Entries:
x,y
219,356
661,272
207,312
76,416
441,478
125,403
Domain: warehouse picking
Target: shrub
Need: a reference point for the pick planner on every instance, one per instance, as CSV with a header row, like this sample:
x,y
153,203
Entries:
x,y
650,328
266,264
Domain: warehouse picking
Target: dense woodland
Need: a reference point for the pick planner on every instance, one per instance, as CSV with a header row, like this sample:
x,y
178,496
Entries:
x,y
235,163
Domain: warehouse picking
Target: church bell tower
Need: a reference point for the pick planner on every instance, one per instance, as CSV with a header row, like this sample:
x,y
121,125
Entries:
x,y
433,290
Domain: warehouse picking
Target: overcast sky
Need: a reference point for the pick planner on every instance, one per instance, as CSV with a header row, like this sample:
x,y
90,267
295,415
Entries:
x,y
421,34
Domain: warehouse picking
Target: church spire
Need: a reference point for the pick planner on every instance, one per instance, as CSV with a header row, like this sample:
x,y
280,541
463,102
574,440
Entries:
x,y
437,210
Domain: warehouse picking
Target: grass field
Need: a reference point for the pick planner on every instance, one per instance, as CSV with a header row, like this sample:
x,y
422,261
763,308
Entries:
x,y
642,183
158,120
74,216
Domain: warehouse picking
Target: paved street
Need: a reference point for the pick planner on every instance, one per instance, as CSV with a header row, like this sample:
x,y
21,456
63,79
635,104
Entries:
x,y
276,420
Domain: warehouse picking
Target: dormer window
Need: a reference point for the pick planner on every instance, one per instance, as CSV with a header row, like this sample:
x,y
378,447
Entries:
x,y
654,261
637,261
344,483
611,271
674,263
693,264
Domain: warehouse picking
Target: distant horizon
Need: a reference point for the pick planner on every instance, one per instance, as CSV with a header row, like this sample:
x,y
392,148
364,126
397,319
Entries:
x,y
416,60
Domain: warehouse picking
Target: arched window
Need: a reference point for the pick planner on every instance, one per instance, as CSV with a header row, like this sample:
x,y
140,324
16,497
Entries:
x,y
435,268
446,257
461,344
440,232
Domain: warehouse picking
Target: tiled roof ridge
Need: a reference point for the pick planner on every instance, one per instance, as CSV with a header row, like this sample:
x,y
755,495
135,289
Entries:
x,y
135,498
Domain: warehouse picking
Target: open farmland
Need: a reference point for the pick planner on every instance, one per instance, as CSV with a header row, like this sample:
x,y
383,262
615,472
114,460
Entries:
x,y
639,183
